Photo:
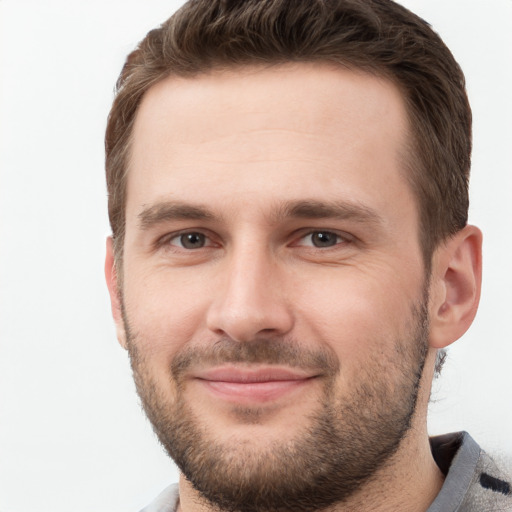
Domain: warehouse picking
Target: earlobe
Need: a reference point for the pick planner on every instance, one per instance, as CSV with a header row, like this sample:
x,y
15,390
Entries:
x,y
455,286
114,292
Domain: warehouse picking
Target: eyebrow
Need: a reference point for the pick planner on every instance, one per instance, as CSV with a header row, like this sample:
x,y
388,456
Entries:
x,y
172,210
301,209
341,210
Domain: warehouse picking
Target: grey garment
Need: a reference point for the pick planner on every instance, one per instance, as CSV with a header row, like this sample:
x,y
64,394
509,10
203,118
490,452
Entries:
x,y
166,501
473,482
457,456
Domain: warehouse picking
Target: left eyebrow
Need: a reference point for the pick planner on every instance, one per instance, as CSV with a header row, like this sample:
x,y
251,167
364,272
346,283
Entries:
x,y
341,210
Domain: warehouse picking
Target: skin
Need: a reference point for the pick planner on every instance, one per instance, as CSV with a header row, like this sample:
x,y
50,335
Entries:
x,y
246,146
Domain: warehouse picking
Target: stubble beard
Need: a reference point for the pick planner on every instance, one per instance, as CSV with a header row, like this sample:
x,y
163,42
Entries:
x,y
342,445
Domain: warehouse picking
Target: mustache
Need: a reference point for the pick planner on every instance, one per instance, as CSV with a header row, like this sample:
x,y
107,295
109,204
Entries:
x,y
286,352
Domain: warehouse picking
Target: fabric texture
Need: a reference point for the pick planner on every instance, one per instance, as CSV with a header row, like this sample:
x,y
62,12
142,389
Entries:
x,y
473,483
166,501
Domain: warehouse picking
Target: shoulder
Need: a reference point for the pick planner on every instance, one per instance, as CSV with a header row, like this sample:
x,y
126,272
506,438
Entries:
x,y
166,501
475,481
491,486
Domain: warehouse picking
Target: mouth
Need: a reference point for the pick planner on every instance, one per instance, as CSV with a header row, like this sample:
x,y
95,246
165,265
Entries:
x,y
252,385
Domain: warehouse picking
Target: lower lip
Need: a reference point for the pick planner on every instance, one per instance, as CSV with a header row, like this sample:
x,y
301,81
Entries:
x,y
247,392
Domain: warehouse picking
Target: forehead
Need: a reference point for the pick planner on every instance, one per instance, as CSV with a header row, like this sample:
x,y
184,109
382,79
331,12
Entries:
x,y
263,132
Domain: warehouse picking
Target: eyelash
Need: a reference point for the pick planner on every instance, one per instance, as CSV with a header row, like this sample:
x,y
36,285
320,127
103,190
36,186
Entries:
x,y
167,240
340,238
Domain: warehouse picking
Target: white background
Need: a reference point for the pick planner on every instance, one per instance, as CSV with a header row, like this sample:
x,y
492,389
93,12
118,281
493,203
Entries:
x,y
72,436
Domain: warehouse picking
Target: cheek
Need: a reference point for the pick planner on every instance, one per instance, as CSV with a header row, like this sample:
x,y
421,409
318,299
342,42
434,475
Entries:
x,y
358,315
164,314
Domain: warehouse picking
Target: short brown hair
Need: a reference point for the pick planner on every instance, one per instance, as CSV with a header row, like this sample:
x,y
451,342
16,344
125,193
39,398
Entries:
x,y
377,36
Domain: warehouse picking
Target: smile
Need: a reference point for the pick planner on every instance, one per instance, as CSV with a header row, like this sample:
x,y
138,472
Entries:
x,y
242,385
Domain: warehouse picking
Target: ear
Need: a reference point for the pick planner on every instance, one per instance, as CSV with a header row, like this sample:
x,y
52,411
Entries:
x,y
455,286
115,292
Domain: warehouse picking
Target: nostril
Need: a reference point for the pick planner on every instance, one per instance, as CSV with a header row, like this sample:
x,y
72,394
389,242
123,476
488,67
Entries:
x,y
245,324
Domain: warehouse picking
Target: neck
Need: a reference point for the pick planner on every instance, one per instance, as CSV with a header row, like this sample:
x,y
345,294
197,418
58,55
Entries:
x,y
408,483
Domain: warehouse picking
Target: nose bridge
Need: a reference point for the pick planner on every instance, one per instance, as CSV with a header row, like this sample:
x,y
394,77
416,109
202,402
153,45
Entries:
x,y
250,302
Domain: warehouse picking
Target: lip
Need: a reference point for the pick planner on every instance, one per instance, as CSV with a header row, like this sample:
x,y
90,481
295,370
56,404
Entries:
x,y
252,385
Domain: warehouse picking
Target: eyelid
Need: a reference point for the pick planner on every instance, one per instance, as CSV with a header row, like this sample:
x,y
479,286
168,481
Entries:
x,y
344,237
166,239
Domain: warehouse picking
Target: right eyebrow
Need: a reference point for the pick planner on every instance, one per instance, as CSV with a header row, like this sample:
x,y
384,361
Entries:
x,y
171,210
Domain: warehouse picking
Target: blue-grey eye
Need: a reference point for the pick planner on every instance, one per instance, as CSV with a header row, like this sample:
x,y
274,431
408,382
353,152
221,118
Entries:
x,y
192,240
324,239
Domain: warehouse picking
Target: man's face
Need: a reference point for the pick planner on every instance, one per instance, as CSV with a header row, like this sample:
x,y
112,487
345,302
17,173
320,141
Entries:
x,y
274,293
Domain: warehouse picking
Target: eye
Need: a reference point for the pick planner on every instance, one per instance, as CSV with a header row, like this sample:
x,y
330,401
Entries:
x,y
321,239
190,240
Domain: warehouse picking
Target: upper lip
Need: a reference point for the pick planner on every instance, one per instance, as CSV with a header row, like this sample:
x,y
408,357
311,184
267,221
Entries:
x,y
251,375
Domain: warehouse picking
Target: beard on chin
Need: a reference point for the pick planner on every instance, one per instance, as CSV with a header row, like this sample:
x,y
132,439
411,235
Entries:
x,y
339,447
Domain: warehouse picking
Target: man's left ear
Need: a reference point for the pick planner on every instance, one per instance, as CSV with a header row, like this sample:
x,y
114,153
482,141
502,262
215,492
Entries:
x,y
455,286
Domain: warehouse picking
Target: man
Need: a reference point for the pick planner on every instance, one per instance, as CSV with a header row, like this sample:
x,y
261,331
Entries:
x,y
290,255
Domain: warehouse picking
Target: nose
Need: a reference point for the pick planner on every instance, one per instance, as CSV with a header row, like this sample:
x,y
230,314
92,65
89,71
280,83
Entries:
x,y
251,300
